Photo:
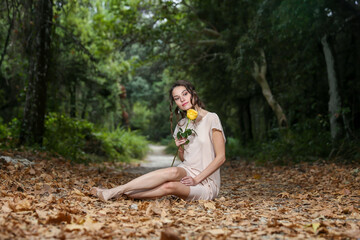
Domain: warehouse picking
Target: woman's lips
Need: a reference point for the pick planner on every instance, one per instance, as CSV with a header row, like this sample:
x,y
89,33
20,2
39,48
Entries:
x,y
184,104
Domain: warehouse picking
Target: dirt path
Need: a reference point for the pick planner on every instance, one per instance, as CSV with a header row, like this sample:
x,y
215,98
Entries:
x,y
156,159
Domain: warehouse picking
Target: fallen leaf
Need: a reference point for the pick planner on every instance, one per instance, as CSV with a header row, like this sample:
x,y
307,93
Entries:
x,y
256,176
169,234
24,205
284,195
315,226
88,224
345,192
5,208
41,213
209,205
59,218
216,232
77,192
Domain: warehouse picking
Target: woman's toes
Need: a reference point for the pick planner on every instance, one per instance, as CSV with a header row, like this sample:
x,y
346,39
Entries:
x,y
94,191
101,196
106,194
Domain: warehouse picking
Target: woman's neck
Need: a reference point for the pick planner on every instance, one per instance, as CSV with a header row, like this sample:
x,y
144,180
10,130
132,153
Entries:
x,y
201,112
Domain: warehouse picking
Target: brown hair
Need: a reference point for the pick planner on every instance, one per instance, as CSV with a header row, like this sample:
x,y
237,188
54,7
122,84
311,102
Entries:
x,y
195,100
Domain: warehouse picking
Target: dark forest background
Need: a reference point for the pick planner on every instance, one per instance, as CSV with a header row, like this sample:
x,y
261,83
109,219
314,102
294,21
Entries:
x,y
89,79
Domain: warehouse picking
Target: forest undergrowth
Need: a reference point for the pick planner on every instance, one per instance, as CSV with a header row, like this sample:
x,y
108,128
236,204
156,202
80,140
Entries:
x,y
49,199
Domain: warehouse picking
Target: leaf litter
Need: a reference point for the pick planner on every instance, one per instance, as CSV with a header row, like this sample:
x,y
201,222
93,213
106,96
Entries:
x,y
50,199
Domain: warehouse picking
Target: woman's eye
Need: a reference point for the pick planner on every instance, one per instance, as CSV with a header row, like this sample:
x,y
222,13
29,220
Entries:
x,y
185,93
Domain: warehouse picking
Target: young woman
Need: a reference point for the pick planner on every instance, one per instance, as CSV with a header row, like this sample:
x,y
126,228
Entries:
x,y
198,176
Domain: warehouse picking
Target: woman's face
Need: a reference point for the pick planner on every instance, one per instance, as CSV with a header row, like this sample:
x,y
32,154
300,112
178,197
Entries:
x,y
182,98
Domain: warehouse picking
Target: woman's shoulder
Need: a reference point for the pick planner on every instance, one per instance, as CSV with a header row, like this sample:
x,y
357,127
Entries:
x,y
211,115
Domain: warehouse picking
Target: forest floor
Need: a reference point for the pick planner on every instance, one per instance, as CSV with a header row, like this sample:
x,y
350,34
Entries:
x,y
49,199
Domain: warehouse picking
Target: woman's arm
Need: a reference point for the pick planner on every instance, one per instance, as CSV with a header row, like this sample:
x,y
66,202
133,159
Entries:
x,y
219,147
181,153
179,143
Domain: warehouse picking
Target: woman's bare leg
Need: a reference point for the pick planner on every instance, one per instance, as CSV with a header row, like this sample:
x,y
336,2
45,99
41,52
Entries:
x,y
168,188
148,181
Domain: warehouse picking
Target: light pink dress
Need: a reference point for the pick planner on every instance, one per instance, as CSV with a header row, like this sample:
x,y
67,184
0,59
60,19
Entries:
x,y
199,153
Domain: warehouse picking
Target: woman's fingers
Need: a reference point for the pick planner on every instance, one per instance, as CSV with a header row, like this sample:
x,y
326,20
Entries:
x,y
180,142
188,181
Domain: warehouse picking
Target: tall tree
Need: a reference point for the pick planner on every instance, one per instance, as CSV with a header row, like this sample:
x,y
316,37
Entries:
x,y
11,7
334,97
39,23
259,74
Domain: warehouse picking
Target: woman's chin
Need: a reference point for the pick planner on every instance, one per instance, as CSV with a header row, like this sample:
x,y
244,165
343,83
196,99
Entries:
x,y
186,108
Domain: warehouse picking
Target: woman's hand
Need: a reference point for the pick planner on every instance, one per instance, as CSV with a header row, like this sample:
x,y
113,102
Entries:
x,y
188,181
180,142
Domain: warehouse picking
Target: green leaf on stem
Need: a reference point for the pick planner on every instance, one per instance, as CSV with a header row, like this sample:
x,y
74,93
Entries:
x,y
188,132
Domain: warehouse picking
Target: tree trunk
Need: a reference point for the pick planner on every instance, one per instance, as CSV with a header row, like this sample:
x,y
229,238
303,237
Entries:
x,y
38,49
258,121
87,99
334,101
259,75
244,123
72,90
11,25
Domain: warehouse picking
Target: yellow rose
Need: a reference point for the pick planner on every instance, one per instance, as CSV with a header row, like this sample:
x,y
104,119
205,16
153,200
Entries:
x,y
191,114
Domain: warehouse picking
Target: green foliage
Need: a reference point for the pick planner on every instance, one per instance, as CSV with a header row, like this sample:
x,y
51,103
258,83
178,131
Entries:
x,y
99,47
9,133
171,147
306,141
79,139
125,144
159,126
66,136
233,148
154,123
347,151
303,142
141,117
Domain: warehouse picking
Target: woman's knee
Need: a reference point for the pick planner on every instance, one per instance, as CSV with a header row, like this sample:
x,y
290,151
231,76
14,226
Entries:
x,y
175,173
175,188
170,187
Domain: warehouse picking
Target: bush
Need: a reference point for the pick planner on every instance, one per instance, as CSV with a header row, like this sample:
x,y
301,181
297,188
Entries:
x,y
234,149
307,141
125,144
141,117
9,133
347,151
67,136
79,140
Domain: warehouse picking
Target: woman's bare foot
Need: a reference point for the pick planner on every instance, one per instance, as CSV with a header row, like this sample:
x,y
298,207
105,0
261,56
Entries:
x,y
95,191
106,194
